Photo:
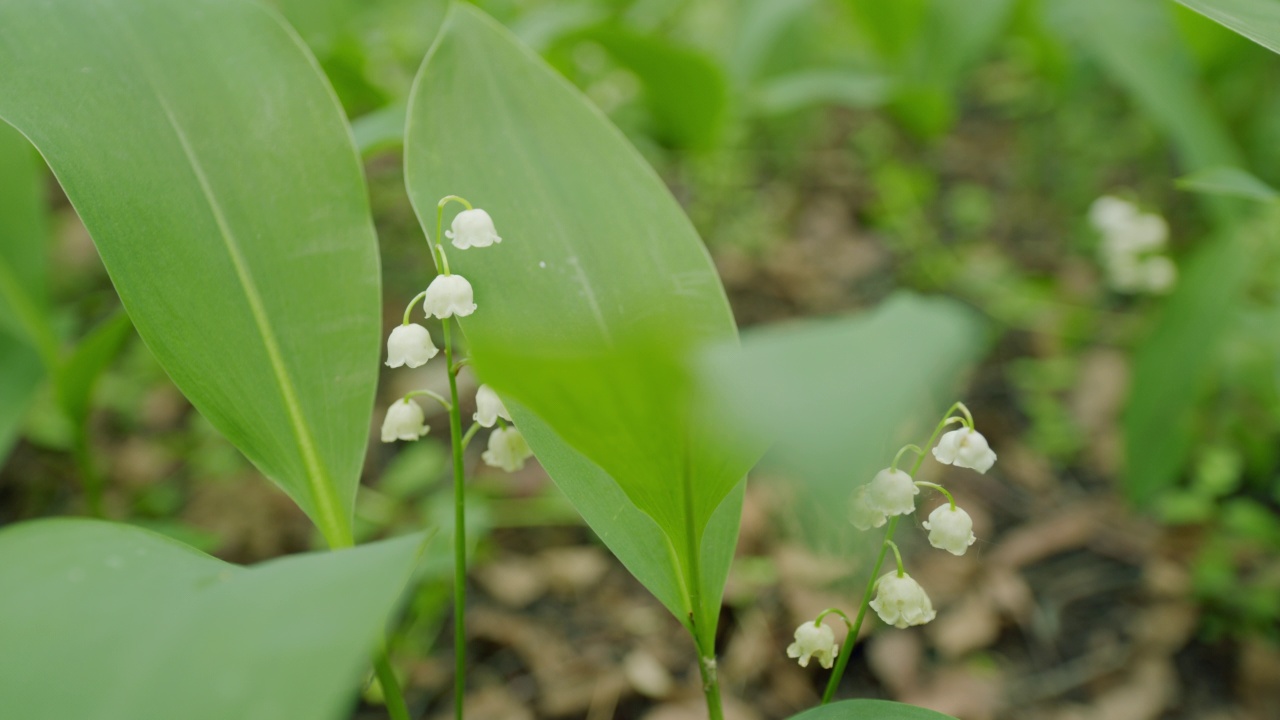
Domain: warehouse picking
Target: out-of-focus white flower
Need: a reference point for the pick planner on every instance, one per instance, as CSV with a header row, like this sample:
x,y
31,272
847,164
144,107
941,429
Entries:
x,y
404,421
473,228
901,602
950,530
1109,213
861,514
449,295
814,641
1130,247
965,448
892,492
410,345
1160,274
507,449
489,407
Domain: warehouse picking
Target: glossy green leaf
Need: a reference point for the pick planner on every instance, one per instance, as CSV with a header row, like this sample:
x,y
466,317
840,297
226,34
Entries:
x,y
145,628
589,306
1229,181
213,167
838,397
24,233
1258,20
79,373
870,710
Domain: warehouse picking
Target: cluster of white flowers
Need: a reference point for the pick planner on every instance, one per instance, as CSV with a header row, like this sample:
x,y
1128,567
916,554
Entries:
x,y
1132,248
410,345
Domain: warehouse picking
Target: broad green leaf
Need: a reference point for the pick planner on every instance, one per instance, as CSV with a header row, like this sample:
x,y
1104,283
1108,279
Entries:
x,y
212,166
318,22
24,234
838,397
870,710
20,374
1258,20
121,623
380,131
1229,181
588,308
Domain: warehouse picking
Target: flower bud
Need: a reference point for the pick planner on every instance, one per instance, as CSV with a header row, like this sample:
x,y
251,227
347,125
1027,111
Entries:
x,y
410,345
814,641
861,514
489,407
950,530
473,228
449,295
507,450
901,602
965,448
892,492
404,421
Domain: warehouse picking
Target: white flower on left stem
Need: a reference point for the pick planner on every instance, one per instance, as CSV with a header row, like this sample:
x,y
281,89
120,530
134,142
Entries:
x,y
814,641
489,407
507,450
892,492
410,345
473,228
965,448
404,421
861,514
901,602
449,295
950,529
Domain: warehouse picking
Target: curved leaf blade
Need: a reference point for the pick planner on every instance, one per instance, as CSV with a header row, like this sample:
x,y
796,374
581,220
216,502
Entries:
x,y
150,629
1258,20
213,168
870,710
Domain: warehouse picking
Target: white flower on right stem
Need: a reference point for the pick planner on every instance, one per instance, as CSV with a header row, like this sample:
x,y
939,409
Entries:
x,y
814,641
892,492
901,602
489,407
410,345
965,448
449,295
405,421
472,228
950,529
507,450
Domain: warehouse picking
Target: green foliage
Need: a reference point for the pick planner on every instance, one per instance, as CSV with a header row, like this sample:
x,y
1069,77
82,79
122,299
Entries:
x,y
588,307
79,372
1230,182
20,374
212,166
1258,20
870,710
148,629
23,233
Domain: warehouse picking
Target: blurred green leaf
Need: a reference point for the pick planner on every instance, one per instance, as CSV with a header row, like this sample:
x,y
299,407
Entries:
x,y
1229,181
379,131
589,305
825,87
1258,20
24,233
149,629
213,167
20,374
763,23
870,710
79,373
835,396
891,27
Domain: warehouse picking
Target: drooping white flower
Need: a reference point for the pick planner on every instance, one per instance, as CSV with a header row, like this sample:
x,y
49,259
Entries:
x,y
473,228
950,530
410,345
405,421
449,295
892,492
1110,214
489,407
965,448
507,449
814,641
861,514
901,602
1130,247
1159,274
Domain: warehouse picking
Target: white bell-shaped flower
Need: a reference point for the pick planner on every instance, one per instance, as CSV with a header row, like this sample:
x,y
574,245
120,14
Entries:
x,y
404,421
473,228
449,295
507,449
950,529
892,492
410,345
861,514
1110,214
489,407
901,602
1160,274
814,641
965,448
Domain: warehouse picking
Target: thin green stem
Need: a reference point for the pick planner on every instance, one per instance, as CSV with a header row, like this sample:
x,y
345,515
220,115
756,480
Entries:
x,y
431,394
711,686
459,535
391,693
90,478
471,432
442,264
896,458
897,556
459,365
834,611
846,650
940,489
408,309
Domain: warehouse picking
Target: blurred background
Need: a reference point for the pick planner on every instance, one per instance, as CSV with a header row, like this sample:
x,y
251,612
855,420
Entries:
x,y
830,152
